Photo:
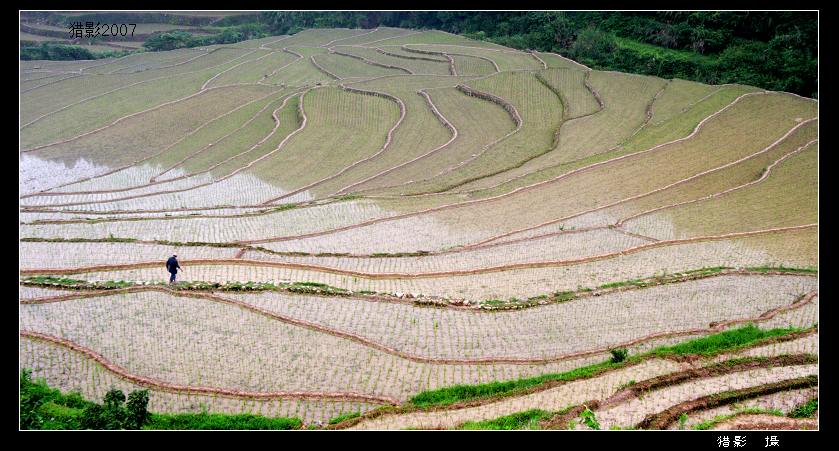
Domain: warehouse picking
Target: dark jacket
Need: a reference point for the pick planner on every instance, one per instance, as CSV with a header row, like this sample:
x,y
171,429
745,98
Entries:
x,y
172,265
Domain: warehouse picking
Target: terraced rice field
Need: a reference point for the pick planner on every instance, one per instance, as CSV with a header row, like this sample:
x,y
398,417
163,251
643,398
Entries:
x,y
362,216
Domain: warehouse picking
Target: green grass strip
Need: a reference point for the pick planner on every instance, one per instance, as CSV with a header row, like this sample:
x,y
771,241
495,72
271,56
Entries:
x,y
705,346
723,341
344,417
807,410
808,270
520,420
220,421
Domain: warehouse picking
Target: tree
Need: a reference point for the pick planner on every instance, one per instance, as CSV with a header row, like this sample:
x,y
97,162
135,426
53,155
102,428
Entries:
x,y
138,414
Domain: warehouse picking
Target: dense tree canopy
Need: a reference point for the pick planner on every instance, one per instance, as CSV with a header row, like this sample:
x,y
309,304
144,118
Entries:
x,y
772,50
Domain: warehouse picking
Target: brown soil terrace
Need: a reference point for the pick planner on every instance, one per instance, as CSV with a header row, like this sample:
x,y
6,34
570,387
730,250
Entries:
x,y
552,384
561,421
718,369
664,419
713,328
157,384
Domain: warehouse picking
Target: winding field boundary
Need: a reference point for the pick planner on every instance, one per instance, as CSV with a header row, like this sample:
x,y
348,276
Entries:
x,y
144,159
482,401
767,171
369,61
396,55
328,44
153,180
50,82
204,86
82,292
322,69
657,190
439,117
157,193
388,141
713,327
504,195
452,69
421,275
123,117
157,384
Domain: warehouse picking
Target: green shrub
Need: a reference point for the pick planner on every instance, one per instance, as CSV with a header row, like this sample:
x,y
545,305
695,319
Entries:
x,y
808,410
589,419
619,355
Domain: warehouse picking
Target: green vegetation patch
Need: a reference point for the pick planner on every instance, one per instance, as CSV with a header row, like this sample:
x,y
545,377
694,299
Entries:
x,y
344,417
457,393
723,341
221,421
296,287
768,268
705,346
43,407
520,420
807,410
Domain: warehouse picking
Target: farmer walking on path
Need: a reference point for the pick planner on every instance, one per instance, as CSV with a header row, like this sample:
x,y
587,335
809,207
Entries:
x,y
172,266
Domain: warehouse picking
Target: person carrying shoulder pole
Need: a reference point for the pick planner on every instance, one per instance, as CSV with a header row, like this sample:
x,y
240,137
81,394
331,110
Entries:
x,y
172,266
